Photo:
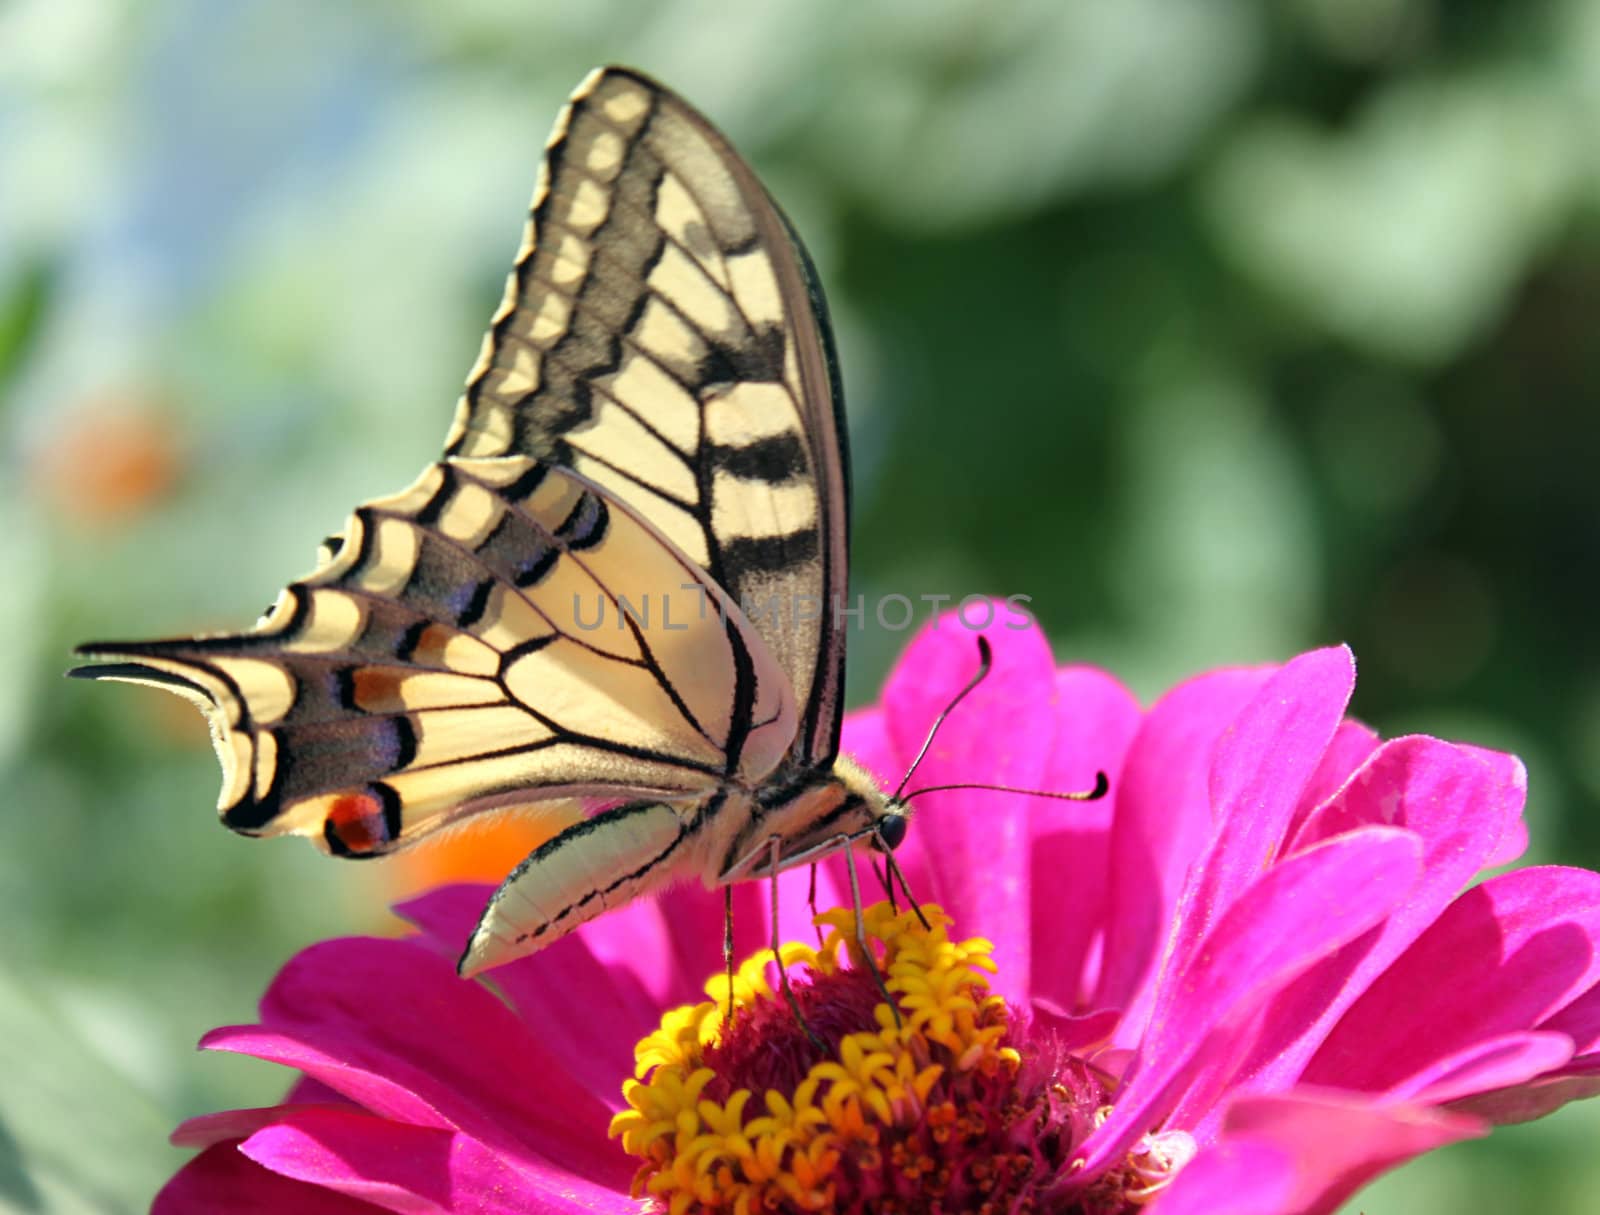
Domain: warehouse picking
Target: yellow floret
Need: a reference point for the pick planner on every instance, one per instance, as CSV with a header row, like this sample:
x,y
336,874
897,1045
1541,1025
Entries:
x,y
701,1155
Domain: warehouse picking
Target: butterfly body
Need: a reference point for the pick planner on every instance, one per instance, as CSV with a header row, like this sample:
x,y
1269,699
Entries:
x,y
617,587
805,809
727,836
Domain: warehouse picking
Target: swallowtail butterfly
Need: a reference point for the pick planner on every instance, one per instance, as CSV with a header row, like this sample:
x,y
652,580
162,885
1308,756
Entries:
x,y
557,613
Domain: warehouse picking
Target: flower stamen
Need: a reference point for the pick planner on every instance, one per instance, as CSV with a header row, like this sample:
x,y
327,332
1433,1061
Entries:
x,y
907,1090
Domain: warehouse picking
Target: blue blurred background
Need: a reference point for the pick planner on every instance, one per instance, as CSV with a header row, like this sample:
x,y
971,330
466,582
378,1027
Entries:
x,y
1221,331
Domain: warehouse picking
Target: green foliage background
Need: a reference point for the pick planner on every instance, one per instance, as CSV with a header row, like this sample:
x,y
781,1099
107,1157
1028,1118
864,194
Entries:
x,y
1221,330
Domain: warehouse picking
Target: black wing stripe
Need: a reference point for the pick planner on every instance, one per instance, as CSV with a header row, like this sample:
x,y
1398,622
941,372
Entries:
x,y
770,554
773,460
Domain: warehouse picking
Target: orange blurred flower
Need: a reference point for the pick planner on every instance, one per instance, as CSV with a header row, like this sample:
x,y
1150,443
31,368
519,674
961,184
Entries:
x,y
109,459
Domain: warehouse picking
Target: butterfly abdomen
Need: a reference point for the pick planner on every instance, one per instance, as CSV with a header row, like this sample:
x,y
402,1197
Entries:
x,y
592,866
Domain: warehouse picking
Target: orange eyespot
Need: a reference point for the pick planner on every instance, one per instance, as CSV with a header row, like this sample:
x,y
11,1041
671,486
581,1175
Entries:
x,y
355,824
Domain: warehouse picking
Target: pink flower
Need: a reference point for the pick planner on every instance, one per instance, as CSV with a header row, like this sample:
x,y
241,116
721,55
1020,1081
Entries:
x,y
1249,980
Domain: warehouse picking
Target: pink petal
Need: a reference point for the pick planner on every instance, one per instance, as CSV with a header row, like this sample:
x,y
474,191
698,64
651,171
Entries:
x,y
1082,1035
222,1179
306,1091
597,1047
1496,1063
1580,1021
1420,782
1337,1143
1503,957
969,850
1514,838
1239,1177
1163,819
1297,912
419,1171
1578,1081
359,1085
1350,748
229,1125
1457,803
1096,719
1511,846
1261,768
671,942
390,1025
446,915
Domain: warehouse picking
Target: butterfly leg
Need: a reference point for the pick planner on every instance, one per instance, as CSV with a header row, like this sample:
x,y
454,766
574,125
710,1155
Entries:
x,y
870,962
811,901
896,874
777,955
888,886
727,950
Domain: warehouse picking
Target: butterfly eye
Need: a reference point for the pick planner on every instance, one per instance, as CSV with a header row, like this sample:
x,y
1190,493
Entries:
x,y
890,832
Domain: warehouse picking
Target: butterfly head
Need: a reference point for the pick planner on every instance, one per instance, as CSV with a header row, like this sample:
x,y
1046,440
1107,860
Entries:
x,y
889,832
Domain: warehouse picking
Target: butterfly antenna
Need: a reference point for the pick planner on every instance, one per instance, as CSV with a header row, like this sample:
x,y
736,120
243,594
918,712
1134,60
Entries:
x,y
985,664
1102,786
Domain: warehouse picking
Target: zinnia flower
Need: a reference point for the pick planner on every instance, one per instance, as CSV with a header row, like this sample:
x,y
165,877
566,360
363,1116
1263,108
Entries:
x,y
1249,980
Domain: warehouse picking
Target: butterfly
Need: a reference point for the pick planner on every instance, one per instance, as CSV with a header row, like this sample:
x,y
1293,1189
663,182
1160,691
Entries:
x,y
616,588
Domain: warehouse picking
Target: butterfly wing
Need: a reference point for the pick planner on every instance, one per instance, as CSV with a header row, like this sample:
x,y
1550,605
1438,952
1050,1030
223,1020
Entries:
x,y
600,863
663,333
474,642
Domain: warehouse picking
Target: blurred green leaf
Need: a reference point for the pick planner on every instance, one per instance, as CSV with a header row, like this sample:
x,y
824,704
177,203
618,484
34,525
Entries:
x,y
75,1136
23,307
1406,230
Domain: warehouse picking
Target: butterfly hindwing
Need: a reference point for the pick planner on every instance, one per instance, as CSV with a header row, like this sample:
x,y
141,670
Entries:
x,y
502,632
591,867
662,333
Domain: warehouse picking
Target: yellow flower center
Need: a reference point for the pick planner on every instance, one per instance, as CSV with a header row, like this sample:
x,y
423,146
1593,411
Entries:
x,y
733,1107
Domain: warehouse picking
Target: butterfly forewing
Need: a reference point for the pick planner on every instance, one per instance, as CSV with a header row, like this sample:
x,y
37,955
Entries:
x,y
661,333
474,642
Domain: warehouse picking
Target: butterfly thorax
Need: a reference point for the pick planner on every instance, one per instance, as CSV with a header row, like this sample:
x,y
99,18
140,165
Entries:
x,y
804,807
